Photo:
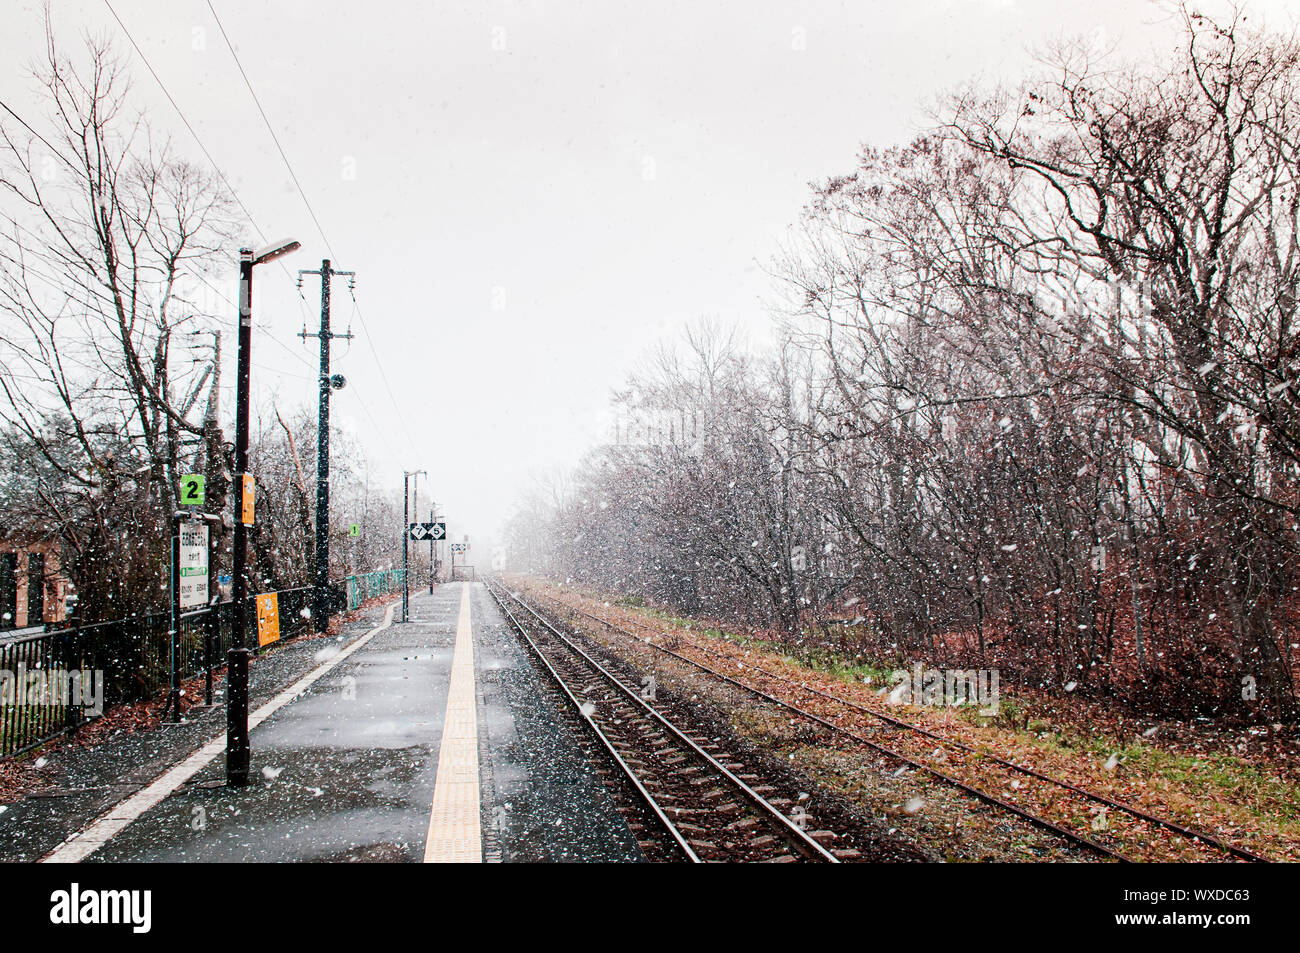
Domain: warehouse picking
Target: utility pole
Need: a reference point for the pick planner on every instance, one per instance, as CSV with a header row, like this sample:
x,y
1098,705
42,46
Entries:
x,y
406,540
321,603
213,464
237,750
212,417
433,564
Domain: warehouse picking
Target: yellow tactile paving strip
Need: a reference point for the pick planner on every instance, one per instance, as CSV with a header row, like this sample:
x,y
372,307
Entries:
x,y
454,835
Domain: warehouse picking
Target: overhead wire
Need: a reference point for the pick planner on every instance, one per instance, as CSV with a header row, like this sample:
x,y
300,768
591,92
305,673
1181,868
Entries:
x,y
293,175
251,219
103,297
230,186
180,112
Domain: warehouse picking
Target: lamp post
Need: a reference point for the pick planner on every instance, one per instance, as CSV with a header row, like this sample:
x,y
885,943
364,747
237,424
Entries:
x,y
237,750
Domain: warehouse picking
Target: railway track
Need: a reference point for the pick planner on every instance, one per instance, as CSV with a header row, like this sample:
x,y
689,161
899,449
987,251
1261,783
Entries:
x,y
904,741
703,803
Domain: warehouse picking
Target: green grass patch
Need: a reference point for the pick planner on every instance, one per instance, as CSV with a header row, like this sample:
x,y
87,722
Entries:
x,y
1218,777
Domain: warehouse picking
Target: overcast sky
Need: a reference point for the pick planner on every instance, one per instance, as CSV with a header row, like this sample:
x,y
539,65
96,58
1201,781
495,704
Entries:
x,y
534,194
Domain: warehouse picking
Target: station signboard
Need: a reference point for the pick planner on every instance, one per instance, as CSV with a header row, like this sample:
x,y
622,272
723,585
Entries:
x,y
193,565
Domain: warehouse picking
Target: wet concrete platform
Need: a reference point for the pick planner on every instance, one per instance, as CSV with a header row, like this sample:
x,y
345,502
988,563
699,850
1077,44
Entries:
x,y
347,771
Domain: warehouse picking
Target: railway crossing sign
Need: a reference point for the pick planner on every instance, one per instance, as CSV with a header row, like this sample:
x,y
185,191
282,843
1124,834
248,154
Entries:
x,y
431,531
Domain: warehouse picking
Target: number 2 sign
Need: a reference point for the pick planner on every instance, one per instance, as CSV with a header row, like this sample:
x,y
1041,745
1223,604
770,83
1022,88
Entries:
x,y
192,489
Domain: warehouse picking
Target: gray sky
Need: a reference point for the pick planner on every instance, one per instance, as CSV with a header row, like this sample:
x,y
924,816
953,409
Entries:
x,y
534,194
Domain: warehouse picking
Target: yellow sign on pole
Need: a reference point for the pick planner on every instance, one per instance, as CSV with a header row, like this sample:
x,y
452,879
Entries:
x,y
246,511
268,619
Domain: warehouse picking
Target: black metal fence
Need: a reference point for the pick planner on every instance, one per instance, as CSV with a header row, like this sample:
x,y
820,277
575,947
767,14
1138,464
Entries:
x,y
52,681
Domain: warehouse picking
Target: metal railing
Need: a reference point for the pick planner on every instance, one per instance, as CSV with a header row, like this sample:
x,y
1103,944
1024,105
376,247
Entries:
x,y
52,681
371,584
31,709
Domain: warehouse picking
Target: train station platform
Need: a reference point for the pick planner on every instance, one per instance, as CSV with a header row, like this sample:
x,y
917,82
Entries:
x,y
419,741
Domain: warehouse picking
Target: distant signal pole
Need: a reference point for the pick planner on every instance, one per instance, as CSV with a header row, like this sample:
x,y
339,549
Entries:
x,y
406,538
321,602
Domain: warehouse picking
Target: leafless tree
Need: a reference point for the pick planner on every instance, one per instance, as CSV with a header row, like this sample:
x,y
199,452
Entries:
x,y
1181,182
107,236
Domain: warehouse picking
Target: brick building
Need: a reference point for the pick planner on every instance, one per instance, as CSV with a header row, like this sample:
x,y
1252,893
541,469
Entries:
x,y
32,590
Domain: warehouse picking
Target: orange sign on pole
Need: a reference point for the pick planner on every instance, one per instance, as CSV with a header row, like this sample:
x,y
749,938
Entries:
x,y
246,510
268,619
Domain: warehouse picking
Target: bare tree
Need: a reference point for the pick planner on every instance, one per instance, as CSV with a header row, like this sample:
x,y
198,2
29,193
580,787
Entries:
x,y
106,235
1182,182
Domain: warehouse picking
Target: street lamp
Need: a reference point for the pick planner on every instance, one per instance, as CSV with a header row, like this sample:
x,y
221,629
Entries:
x,y
237,750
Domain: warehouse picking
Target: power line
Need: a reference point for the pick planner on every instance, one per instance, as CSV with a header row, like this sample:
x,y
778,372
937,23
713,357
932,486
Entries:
x,y
213,162
94,292
163,86
193,132
197,274
371,417
54,283
248,214
274,138
361,320
217,168
382,374
66,160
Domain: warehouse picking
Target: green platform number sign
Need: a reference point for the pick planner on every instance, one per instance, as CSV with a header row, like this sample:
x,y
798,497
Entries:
x,y
192,489
354,529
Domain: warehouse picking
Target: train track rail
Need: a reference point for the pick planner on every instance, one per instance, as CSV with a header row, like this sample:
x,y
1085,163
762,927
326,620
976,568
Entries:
x,y
1207,846
701,800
